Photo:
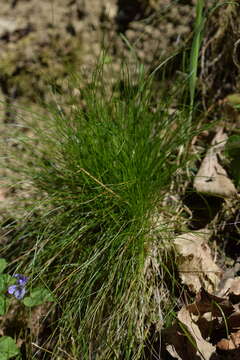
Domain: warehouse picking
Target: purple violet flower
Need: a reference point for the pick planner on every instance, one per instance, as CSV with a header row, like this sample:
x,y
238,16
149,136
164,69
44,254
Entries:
x,y
18,290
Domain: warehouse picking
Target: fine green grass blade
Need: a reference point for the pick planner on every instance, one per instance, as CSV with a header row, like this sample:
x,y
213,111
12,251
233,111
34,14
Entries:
x,y
195,49
102,170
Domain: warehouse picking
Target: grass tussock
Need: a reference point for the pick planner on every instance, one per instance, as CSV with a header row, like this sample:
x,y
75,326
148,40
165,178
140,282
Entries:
x,y
102,171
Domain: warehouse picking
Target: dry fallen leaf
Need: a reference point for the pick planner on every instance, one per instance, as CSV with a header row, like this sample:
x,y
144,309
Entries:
x,y
229,283
201,325
178,345
184,341
231,286
229,344
204,348
208,303
234,321
196,266
212,179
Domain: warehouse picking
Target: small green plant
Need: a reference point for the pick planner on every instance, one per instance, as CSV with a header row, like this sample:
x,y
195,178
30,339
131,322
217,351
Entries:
x,y
8,348
16,285
103,168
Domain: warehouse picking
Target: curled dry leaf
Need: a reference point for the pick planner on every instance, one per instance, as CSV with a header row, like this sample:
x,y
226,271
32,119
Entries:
x,y
212,179
204,348
235,286
178,345
208,303
229,283
231,286
201,325
230,344
196,266
185,340
234,321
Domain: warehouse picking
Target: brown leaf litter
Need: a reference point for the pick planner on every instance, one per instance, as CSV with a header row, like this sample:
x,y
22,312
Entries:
x,y
208,328
212,178
196,266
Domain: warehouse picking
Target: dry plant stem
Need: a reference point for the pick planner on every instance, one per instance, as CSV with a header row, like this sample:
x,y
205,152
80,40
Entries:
x,y
99,182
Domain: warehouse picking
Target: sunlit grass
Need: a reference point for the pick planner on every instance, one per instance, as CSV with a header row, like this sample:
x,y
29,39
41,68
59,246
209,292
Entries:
x,y
100,236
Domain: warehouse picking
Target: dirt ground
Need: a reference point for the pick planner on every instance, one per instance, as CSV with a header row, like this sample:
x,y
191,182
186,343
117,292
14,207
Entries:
x,y
41,40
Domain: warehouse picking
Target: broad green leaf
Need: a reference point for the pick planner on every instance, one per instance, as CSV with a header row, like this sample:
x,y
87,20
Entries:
x,y
3,265
38,296
5,281
8,348
4,302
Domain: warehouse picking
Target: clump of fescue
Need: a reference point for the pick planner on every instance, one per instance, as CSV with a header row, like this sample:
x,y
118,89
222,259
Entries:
x,y
103,169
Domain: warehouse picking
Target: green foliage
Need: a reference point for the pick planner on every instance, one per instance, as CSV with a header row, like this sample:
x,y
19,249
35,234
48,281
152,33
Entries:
x,y
3,305
38,296
5,281
8,348
198,28
3,265
103,169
